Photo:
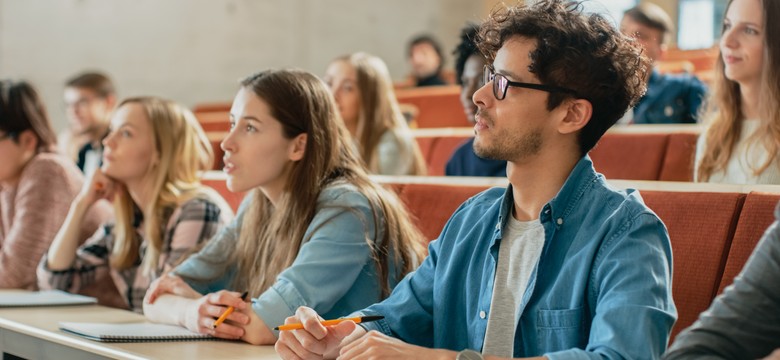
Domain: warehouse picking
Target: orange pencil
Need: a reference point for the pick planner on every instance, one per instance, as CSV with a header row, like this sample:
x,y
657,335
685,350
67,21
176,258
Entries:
x,y
357,320
227,312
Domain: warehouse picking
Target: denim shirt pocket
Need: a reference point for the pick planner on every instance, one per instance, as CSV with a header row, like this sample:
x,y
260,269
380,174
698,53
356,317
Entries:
x,y
560,329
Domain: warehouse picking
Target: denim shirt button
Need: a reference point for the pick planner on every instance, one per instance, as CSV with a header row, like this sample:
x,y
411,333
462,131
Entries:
x,y
482,314
560,221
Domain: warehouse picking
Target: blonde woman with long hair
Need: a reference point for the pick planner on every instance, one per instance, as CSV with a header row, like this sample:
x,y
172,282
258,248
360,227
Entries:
x,y
315,230
365,98
743,138
151,168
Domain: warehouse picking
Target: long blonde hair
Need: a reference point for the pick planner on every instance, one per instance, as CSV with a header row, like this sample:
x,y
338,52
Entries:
x,y
271,236
724,107
183,150
380,112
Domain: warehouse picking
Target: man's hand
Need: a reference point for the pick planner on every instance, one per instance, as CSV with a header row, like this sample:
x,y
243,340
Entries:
x,y
376,345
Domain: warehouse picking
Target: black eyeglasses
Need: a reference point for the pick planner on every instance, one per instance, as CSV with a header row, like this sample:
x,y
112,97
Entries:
x,y
501,83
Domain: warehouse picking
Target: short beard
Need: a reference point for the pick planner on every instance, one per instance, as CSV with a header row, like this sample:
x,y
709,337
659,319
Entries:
x,y
511,148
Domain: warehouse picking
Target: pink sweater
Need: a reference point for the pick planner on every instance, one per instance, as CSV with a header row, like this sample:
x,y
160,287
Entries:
x,y
32,212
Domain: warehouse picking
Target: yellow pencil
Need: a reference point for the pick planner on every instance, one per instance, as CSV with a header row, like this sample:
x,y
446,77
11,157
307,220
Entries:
x,y
357,320
227,312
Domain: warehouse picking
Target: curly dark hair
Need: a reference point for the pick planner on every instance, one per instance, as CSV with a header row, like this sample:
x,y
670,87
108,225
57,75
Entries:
x,y
575,50
466,48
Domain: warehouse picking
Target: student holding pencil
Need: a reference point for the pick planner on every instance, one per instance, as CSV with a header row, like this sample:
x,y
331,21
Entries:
x,y
559,265
151,163
37,186
315,230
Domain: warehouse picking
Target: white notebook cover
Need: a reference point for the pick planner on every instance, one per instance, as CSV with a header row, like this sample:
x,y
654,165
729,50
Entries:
x,y
131,332
44,298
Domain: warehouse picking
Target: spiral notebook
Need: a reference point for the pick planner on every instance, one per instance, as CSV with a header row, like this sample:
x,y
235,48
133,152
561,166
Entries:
x,y
44,298
131,332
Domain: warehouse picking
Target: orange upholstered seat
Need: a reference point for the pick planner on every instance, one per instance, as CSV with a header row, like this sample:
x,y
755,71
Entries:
x,y
700,227
756,216
438,106
630,156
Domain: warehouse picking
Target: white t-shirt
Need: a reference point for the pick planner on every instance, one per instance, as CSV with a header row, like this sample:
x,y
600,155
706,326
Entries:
x,y
745,158
92,161
519,251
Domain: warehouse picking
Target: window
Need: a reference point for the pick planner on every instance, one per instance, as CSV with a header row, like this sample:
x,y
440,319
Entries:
x,y
699,23
610,9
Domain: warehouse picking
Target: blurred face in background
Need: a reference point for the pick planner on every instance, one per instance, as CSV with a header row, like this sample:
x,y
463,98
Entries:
x,y
86,110
17,150
341,78
471,80
651,39
424,60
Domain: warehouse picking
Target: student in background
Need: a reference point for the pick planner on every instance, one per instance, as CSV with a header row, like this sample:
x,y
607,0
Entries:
x,y
743,322
315,230
37,186
364,95
151,163
468,68
742,140
89,98
427,61
670,98
559,264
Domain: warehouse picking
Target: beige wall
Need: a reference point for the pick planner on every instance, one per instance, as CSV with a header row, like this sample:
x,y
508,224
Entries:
x,y
195,50
671,7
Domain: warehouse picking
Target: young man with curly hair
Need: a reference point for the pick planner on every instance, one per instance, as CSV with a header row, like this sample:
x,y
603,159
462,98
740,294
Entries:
x,y
559,264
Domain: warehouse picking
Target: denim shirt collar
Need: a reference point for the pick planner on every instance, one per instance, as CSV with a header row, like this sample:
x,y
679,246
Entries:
x,y
558,208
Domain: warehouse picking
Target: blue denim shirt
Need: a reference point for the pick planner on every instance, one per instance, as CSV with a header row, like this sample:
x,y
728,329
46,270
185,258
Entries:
x,y
601,288
670,99
334,272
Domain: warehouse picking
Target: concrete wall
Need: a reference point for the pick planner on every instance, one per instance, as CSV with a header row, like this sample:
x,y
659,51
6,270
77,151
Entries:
x,y
195,50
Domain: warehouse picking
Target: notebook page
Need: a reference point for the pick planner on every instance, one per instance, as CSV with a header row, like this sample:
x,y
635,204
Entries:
x,y
131,331
44,298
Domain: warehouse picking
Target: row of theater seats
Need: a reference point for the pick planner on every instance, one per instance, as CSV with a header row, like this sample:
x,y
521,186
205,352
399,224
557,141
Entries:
x,y
636,152
431,107
713,228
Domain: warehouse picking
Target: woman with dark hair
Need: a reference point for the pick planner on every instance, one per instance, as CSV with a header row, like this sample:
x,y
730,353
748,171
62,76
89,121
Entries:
x,y
37,186
315,231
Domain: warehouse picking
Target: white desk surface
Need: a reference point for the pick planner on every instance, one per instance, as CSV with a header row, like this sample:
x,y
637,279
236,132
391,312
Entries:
x,y
34,333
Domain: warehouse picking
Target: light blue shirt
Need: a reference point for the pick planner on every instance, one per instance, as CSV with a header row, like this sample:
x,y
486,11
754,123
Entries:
x,y
601,289
333,273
